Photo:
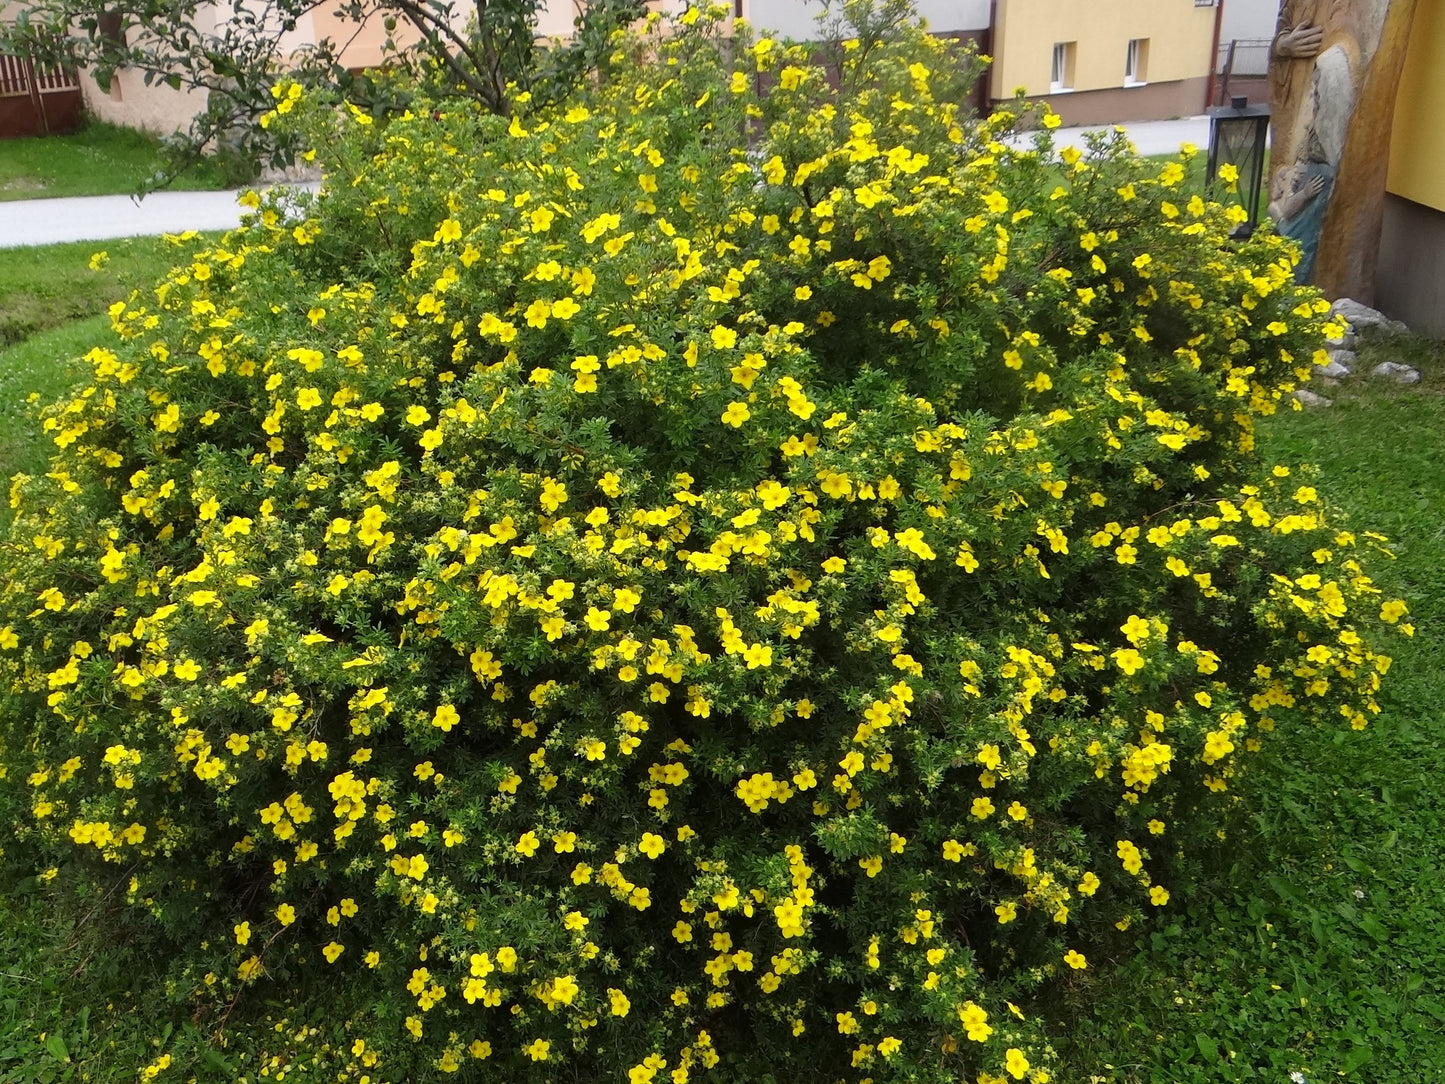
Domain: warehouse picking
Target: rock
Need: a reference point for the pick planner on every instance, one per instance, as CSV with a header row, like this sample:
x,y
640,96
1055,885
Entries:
x,y
1345,359
1346,342
1308,398
1334,370
1362,316
1394,370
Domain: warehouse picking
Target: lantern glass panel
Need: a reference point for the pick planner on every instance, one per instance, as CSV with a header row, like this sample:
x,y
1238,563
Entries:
x,y
1237,136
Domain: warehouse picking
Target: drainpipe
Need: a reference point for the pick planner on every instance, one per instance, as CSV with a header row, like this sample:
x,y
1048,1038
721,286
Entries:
x,y
987,95
1214,54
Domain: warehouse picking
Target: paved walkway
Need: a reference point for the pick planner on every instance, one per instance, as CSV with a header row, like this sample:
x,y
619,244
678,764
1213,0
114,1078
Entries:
x,y
100,218
1150,137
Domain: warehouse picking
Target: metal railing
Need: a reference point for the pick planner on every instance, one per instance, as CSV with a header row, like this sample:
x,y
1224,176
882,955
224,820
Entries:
x,y
1243,56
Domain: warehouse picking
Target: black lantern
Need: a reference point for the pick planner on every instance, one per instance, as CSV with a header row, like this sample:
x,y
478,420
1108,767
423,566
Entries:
x,y
1237,136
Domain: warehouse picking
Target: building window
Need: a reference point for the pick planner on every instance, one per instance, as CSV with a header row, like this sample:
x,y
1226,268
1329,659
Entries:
x,y
1136,63
1061,75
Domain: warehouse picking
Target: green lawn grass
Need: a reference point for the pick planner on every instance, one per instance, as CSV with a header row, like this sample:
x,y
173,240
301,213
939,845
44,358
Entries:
x,y
100,159
1316,942
52,310
48,286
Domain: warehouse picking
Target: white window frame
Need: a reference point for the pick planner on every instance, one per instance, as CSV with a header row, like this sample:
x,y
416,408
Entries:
x,y
1136,61
1061,69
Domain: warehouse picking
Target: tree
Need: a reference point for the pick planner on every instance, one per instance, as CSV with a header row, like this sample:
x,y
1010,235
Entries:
x,y
233,50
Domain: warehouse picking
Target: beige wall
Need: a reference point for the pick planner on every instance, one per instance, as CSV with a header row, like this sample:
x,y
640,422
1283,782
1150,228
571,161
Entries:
x,y
555,17
798,19
155,109
1180,36
1417,149
160,110
364,44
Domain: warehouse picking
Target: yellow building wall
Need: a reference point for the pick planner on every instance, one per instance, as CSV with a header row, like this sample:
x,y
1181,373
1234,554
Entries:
x,y
1181,38
1417,151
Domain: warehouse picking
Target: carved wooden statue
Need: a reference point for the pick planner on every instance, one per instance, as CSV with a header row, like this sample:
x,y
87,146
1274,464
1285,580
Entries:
x,y
1334,69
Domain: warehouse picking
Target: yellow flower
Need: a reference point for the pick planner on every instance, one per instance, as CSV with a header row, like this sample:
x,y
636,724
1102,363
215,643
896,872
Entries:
x,y
1015,1062
1128,660
651,845
736,414
1136,629
527,844
1075,959
975,1022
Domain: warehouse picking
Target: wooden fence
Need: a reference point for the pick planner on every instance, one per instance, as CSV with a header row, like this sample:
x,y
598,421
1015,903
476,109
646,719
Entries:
x,y
37,100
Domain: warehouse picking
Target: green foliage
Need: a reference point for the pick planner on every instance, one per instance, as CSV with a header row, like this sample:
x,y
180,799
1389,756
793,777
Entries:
x,y
486,52
687,579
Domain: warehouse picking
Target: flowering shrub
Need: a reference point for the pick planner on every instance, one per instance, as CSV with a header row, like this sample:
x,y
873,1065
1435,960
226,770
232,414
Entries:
x,y
635,603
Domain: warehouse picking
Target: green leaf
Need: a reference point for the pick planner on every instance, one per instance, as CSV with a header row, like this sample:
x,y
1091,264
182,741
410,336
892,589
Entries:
x,y
1372,926
1286,890
56,1045
1357,1057
1207,1046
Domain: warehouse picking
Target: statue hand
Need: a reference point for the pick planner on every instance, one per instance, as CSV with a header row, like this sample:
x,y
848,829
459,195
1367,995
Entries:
x,y
1299,42
1313,187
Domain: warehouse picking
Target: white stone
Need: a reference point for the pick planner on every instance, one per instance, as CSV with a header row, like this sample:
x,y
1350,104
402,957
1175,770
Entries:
x,y
1308,398
1346,358
1394,370
1333,371
1345,342
1362,316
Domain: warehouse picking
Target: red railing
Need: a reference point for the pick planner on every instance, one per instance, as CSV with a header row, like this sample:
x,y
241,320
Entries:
x,y
17,74
37,99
